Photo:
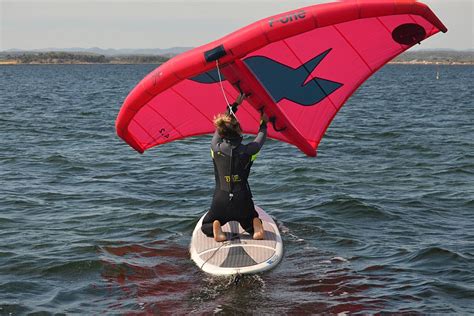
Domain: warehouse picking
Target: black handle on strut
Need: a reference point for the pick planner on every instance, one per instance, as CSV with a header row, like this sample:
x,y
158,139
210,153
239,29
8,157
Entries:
x,y
273,121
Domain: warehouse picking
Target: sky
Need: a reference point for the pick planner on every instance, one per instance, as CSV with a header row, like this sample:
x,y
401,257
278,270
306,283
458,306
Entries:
x,y
37,24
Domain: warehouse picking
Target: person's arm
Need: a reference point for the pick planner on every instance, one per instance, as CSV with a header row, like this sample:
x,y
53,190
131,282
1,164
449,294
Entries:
x,y
234,106
255,146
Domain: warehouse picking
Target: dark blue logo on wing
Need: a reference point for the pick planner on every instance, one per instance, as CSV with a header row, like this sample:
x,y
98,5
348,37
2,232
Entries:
x,y
284,82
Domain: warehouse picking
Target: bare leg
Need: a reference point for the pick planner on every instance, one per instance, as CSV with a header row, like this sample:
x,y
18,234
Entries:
x,y
259,233
218,234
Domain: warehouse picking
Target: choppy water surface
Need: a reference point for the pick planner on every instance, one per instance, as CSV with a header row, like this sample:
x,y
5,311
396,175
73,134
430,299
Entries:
x,y
381,220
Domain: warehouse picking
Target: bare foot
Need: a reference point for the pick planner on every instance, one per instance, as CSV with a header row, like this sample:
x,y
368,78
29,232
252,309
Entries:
x,y
218,234
259,233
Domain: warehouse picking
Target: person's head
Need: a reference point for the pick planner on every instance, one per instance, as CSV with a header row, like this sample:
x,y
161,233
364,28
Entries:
x,y
227,126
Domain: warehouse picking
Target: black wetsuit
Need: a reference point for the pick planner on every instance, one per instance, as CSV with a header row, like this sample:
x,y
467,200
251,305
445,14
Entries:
x,y
232,199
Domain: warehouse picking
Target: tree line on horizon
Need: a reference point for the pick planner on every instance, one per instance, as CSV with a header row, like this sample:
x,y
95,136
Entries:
x,y
465,57
88,58
433,56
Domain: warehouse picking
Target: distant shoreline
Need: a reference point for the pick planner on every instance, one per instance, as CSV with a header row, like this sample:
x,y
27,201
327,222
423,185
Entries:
x,y
54,57
418,63
445,58
424,62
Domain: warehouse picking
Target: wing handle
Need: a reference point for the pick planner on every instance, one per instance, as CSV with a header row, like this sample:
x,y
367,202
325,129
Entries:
x,y
273,121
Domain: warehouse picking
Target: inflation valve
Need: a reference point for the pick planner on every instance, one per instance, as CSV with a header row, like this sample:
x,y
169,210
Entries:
x,y
215,53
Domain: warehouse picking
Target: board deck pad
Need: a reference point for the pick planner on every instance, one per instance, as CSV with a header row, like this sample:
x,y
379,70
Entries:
x,y
240,254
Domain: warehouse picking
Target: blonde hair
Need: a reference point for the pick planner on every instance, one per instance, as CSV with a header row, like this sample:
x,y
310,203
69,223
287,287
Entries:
x,y
227,126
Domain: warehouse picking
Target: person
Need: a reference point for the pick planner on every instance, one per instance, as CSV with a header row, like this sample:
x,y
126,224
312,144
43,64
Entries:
x,y
232,161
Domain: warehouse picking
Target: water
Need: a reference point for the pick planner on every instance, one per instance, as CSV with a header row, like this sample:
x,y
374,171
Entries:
x,y
381,221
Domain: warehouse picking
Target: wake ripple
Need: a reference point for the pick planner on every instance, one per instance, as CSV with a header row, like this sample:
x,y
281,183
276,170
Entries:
x,y
355,208
433,256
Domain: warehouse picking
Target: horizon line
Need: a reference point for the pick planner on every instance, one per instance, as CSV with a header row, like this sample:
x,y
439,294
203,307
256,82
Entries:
x,y
180,47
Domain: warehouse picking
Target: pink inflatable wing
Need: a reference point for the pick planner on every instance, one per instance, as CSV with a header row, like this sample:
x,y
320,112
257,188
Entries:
x,y
298,67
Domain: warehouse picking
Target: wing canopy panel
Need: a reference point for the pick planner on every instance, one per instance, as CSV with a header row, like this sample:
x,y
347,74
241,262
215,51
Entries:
x,y
299,67
311,75
187,109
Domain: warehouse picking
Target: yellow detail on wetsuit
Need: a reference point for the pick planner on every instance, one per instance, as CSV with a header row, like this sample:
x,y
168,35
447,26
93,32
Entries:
x,y
212,153
254,157
235,178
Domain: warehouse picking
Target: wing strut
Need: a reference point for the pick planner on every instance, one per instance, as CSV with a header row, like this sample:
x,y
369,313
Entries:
x,y
240,76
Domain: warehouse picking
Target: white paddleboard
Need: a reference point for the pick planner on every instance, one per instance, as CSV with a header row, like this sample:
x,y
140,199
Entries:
x,y
240,254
